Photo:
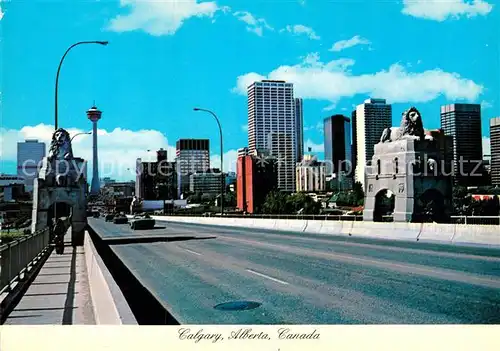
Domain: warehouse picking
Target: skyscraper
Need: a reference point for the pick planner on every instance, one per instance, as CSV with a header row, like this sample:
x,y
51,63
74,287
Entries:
x,y
192,155
337,131
94,115
271,126
299,129
354,152
372,117
29,155
495,150
463,123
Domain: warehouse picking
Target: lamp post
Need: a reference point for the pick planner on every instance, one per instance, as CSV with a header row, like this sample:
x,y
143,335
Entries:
x,y
221,159
59,69
74,136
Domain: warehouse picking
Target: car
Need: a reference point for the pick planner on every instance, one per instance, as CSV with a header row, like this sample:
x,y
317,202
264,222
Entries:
x,y
142,223
120,219
96,214
109,217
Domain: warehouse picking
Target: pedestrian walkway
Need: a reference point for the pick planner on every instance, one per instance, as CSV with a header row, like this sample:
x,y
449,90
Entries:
x,y
59,294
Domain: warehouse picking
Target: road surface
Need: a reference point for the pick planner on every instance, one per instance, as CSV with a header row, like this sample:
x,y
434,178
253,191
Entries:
x,y
298,278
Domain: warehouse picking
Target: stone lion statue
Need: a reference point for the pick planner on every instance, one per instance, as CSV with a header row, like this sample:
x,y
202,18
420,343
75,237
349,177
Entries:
x,y
60,146
411,127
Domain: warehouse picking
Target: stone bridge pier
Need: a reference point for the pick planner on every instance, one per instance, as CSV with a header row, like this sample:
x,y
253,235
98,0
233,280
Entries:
x,y
61,189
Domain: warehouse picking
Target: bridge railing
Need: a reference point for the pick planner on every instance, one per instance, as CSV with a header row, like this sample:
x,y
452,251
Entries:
x,y
484,220
323,217
19,256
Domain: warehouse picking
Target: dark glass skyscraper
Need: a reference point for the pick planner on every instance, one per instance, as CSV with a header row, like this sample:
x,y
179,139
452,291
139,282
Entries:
x,y
299,129
463,123
338,154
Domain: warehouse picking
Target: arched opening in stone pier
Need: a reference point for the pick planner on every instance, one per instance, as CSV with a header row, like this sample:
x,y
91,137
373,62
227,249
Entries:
x,y
430,207
385,201
58,210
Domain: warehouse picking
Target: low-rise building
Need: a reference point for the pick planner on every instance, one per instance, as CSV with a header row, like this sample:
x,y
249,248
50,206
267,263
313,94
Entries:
x,y
11,187
208,182
311,175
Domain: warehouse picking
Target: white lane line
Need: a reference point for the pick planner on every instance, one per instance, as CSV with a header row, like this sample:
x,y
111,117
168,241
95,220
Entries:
x,y
196,253
267,277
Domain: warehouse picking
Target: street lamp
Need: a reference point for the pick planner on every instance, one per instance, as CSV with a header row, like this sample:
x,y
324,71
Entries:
x,y
221,160
60,64
74,136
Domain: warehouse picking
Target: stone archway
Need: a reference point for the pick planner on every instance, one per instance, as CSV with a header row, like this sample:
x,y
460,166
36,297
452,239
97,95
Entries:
x,y
70,201
385,201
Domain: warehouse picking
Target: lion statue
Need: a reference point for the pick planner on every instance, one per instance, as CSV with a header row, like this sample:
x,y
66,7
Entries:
x,y
411,127
60,146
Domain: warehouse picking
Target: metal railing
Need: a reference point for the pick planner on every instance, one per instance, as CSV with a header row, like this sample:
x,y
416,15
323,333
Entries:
x,y
321,217
483,220
19,256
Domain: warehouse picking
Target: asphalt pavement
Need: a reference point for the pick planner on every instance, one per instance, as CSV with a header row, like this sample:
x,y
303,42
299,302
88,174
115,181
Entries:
x,y
299,278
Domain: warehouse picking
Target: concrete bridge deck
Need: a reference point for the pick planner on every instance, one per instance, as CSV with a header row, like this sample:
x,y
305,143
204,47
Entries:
x,y
296,278
59,293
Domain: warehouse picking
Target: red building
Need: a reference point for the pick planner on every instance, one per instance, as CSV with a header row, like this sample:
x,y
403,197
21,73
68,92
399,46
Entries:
x,y
256,177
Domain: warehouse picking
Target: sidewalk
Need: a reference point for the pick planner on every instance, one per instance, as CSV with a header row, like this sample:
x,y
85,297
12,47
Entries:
x,y
60,292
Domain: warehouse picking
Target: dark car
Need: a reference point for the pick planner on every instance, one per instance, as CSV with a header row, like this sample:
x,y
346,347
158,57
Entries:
x,y
96,214
109,217
120,219
142,223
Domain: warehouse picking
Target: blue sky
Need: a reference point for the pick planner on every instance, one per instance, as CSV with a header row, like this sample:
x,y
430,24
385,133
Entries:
x,y
166,57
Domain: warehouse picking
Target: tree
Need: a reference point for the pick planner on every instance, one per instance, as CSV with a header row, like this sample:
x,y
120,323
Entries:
x,y
301,201
462,201
275,203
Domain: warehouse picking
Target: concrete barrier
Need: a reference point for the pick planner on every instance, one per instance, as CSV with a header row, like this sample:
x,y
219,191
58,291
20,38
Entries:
x,y
426,232
332,228
110,306
391,231
477,234
314,226
434,232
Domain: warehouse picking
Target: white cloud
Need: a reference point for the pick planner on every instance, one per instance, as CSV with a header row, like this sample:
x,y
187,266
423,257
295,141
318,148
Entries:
x,y
314,147
1,11
117,153
230,158
300,29
255,25
439,10
345,44
486,146
161,17
333,80
486,104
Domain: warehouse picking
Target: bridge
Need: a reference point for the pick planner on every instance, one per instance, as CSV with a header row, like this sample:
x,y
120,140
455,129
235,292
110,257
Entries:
x,y
199,270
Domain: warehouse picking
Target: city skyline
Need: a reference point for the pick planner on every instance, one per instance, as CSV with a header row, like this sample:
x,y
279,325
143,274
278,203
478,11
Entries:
x,y
155,117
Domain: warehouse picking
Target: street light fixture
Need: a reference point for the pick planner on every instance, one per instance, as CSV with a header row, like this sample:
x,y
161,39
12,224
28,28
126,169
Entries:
x,y
74,136
104,43
221,159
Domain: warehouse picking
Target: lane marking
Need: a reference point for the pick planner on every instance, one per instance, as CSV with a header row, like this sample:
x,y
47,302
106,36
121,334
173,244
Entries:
x,y
193,252
267,277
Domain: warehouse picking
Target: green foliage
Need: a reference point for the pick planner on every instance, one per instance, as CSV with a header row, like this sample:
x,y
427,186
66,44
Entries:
x,y
275,203
465,205
282,203
353,198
